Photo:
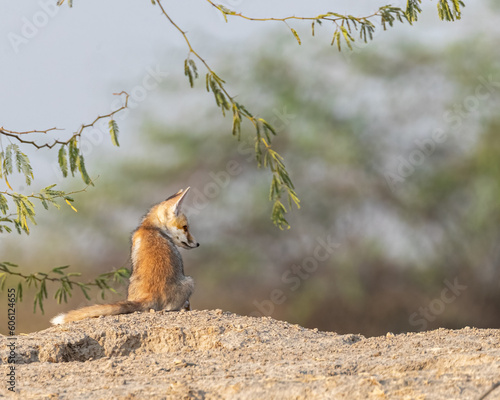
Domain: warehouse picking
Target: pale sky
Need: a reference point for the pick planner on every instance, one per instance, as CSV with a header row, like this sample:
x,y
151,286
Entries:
x,y
60,66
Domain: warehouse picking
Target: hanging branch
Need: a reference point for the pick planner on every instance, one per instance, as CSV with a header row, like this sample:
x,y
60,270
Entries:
x,y
282,185
345,25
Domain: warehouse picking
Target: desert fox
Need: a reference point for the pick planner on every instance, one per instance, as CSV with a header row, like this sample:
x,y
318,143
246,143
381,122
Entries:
x,y
157,281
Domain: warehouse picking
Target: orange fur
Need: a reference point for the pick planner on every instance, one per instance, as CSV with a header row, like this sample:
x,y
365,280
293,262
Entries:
x,y
157,281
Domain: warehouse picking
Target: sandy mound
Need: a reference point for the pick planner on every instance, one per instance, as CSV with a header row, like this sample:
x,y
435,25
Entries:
x,y
217,355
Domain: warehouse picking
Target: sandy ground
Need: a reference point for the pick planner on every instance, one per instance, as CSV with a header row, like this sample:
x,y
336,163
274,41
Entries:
x,y
219,355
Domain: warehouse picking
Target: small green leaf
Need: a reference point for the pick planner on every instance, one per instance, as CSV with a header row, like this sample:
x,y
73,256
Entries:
x,y
336,38
347,37
73,155
40,295
194,68
63,160
278,215
296,35
4,206
113,130
207,81
59,270
80,162
188,73
412,10
58,295
218,79
258,153
245,112
236,122
7,160
25,211
19,293
84,288
446,13
23,166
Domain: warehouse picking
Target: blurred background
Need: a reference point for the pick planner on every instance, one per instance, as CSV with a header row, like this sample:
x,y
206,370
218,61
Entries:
x,y
393,149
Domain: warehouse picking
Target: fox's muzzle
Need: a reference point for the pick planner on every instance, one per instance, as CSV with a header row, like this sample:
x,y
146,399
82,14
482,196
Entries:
x,y
191,246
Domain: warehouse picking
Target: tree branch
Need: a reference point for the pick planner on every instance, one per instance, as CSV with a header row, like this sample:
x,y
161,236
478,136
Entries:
x,y
281,182
333,17
77,134
39,280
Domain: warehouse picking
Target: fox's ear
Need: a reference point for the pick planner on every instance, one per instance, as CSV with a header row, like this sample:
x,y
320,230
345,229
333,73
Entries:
x,y
178,201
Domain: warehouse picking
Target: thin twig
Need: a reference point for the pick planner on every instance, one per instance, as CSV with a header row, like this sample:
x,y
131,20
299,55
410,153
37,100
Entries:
x,y
325,17
16,135
40,197
46,278
2,129
41,278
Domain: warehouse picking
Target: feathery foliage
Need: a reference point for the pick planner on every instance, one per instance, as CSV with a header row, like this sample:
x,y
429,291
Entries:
x,y
70,160
39,281
345,27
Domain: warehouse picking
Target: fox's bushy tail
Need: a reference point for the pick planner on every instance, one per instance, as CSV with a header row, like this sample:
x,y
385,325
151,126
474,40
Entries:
x,y
121,307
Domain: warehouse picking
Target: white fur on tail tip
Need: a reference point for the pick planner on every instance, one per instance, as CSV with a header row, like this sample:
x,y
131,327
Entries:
x,y
58,319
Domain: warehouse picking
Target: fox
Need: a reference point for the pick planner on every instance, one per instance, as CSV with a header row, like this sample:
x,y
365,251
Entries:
x,y
157,280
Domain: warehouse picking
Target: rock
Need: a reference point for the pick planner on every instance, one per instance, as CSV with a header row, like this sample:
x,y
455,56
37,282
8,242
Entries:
x,y
217,355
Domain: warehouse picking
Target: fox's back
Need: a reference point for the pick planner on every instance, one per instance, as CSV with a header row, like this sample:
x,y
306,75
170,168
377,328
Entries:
x,y
157,263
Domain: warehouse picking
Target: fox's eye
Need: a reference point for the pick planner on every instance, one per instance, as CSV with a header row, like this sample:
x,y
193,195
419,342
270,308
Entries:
x,y
185,227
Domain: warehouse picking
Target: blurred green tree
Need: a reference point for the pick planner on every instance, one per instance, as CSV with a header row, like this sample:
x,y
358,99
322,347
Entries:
x,y
395,247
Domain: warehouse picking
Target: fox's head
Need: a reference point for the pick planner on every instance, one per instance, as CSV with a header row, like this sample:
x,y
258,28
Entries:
x,y
173,222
